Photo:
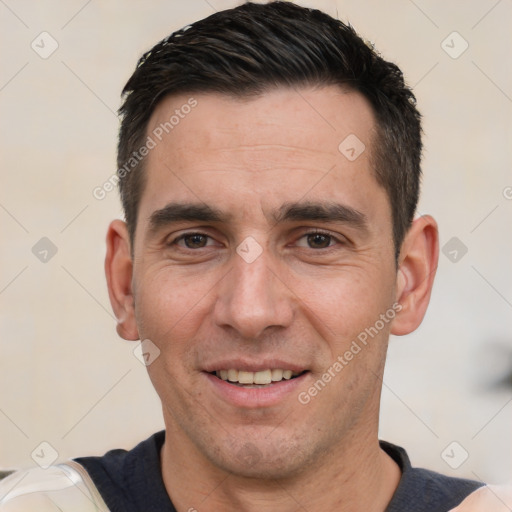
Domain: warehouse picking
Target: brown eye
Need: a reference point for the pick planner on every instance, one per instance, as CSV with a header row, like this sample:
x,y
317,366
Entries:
x,y
194,240
319,240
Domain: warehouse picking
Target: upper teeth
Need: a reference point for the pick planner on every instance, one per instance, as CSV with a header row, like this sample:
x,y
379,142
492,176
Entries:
x,y
261,377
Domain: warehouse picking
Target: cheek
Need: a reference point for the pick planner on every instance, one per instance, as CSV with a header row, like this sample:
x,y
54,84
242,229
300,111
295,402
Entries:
x,y
170,308
343,306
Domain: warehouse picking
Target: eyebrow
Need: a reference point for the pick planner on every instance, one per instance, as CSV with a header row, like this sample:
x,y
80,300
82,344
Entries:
x,y
179,212
298,211
325,212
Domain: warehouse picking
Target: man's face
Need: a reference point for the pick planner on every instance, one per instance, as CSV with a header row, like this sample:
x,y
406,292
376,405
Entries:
x,y
260,247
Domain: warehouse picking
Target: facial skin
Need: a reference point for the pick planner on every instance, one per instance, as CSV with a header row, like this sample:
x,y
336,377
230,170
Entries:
x,y
300,304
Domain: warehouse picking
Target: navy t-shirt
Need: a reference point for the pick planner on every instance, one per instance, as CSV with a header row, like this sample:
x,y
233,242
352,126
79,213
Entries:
x,y
131,481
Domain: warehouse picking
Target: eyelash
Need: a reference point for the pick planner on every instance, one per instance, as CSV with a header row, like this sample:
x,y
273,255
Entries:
x,y
323,233
309,233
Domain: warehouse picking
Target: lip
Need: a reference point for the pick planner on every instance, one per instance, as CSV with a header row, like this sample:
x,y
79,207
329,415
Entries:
x,y
253,366
255,398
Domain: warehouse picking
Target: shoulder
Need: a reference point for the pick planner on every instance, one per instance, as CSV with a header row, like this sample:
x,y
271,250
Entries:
x,y
131,480
436,487
83,484
430,491
64,487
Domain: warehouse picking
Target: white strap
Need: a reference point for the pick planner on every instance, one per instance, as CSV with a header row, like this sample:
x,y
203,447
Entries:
x,y
64,487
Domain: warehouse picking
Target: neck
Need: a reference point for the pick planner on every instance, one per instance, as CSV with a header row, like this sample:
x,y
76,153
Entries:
x,y
355,476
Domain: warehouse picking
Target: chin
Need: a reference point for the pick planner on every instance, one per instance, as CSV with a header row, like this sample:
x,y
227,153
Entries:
x,y
269,461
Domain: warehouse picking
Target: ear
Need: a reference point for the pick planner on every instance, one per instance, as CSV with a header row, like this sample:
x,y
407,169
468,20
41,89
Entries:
x,y
118,270
416,271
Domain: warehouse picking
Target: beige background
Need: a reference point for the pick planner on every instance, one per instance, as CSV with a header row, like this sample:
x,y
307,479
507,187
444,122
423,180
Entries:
x,y
65,376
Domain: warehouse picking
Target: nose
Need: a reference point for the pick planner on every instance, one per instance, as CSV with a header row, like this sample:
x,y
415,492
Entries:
x,y
253,297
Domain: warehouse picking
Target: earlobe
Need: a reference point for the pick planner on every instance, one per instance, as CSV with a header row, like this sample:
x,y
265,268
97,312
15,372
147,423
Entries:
x,y
416,272
119,271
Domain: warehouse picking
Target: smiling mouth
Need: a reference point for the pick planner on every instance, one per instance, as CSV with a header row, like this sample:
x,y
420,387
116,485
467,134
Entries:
x,y
260,379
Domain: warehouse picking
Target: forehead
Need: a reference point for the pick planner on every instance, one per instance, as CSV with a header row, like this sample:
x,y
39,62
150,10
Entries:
x,y
265,150
297,120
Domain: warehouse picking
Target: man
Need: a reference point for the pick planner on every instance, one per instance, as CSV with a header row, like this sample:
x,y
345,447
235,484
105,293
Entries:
x,y
269,166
